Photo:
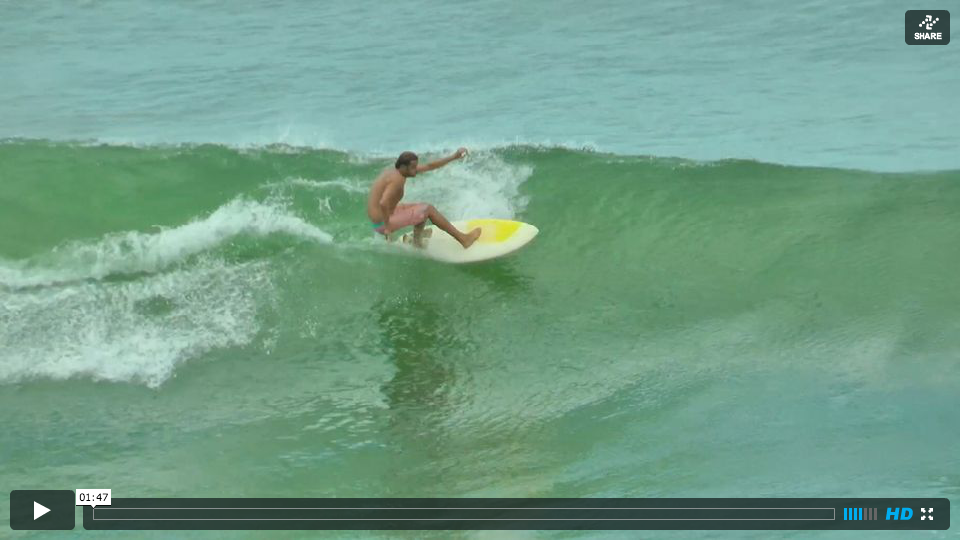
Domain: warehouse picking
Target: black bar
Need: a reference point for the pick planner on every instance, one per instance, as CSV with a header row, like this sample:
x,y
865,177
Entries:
x,y
515,514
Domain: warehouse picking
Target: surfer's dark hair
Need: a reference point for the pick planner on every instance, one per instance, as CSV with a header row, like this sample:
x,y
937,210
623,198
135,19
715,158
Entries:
x,y
405,159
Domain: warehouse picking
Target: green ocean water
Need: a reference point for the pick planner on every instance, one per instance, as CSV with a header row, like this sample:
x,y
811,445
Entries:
x,y
210,321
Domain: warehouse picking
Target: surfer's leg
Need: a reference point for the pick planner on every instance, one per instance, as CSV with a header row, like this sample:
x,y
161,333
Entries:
x,y
464,239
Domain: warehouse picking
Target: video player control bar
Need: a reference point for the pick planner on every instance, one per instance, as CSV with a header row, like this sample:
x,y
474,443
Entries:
x,y
520,514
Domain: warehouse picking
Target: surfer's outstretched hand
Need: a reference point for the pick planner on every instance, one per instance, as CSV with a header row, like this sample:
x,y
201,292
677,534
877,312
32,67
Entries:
x,y
460,153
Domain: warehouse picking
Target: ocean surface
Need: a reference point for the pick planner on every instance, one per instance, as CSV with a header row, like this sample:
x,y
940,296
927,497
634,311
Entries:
x,y
746,282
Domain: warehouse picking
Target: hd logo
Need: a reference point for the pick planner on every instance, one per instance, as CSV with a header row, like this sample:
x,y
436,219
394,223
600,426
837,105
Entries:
x,y
899,513
927,27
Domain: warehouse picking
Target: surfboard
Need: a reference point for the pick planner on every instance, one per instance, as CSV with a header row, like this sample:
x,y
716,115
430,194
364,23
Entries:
x,y
499,237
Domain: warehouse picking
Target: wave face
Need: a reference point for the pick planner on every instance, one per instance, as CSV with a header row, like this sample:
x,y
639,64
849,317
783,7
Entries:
x,y
128,261
678,328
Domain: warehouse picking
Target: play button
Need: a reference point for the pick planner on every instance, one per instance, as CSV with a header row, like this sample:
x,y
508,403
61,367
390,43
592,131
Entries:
x,y
42,509
39,510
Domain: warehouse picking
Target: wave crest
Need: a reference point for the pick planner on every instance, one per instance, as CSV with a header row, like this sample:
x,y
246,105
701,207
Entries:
x,y
134,251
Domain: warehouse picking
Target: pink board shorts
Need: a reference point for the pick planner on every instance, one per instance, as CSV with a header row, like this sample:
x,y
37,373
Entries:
x,y
404,216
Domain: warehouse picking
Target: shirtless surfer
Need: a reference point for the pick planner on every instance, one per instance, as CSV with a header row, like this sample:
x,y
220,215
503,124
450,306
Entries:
x,y
389,188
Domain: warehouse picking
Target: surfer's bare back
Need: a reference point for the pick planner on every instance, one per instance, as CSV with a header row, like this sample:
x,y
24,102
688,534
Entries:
x,y
387,213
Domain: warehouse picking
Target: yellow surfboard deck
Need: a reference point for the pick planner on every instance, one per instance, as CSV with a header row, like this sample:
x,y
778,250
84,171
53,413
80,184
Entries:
x,y
498,237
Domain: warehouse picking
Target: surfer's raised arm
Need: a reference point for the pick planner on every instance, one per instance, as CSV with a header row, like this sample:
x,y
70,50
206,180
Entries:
x,y
460,153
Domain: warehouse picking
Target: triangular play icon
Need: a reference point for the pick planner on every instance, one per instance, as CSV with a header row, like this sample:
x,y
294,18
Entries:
x,y
39,510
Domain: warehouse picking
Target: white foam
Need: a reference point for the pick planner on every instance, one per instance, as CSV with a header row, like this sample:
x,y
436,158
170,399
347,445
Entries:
x,y
293,136
475,146
130,331
284,144
344,184
481,185
135,251
324,205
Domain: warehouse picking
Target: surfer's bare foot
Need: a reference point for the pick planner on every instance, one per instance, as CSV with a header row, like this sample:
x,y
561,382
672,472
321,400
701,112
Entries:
x,y
469,239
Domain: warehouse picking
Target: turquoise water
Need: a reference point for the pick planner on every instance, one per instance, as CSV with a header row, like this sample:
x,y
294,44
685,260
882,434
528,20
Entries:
x,y
746,282
807,83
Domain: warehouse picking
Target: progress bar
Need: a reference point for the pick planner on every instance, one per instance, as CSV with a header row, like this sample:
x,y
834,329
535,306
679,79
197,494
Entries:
x,y
514,514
